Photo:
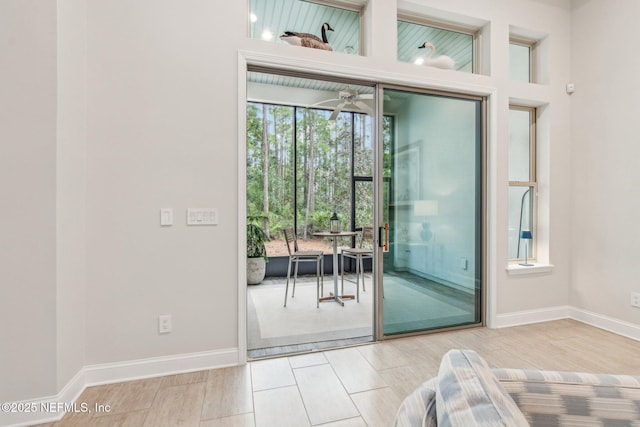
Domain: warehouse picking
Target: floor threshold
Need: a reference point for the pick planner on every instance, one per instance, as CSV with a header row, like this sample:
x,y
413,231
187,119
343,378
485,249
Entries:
x,y
290,350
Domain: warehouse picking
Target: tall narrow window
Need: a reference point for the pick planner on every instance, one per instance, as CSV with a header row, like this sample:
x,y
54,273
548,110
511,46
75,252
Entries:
x,y
522,182
521,64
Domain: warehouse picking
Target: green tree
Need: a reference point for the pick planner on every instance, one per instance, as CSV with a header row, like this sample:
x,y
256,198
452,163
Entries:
x,y
317,152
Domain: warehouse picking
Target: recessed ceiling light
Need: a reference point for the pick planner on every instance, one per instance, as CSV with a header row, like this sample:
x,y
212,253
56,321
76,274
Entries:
x,y
419,61
253,17
267,35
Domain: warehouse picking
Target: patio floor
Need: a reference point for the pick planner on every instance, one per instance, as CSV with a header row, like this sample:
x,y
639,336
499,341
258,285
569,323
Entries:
x,y
301,326
410,304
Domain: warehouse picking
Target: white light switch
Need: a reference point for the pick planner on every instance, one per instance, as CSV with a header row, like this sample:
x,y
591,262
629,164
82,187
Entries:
x,y
571,87
202,216
166,216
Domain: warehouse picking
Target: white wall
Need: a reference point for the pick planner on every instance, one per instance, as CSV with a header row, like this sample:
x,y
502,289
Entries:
x,y
28,199
162,131
605,109
71,189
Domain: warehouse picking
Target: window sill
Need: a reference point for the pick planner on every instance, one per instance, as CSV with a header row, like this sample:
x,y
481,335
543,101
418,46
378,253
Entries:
x,y
536,268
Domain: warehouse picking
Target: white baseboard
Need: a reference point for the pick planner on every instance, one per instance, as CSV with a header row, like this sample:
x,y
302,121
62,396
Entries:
x,y
617,326
108,373
46,409
530,316
51,409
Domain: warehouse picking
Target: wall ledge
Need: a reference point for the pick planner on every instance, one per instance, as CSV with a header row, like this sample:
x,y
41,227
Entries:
x,y
535,268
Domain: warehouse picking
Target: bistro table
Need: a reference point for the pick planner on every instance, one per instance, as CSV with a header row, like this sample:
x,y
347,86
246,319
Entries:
x,y
335,296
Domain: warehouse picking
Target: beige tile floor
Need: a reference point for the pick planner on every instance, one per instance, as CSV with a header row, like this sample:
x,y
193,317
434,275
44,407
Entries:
x,y
355,386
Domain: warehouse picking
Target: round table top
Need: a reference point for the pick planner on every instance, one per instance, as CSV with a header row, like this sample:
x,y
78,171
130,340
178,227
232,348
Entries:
x,y
338,234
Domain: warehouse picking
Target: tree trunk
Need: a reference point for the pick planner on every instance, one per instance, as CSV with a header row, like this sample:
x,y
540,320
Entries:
x,y
265,169
305,169
311,184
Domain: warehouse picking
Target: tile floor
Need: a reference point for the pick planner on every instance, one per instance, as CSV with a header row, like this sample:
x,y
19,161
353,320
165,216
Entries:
x,y
355,386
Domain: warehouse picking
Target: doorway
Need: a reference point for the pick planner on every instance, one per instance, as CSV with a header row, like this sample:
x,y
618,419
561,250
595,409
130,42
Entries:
x,y
310,150
374,155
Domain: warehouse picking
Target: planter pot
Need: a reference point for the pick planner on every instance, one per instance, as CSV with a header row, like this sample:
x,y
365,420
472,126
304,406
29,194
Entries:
x,y
256,269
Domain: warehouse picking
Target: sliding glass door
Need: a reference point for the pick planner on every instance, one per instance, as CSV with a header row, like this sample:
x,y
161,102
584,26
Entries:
x,y
431,188
312,150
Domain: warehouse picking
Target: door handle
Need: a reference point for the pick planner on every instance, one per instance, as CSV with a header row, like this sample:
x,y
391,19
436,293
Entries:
x,y
383,242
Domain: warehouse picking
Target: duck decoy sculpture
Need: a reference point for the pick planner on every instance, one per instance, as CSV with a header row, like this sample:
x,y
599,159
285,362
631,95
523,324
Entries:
x,y
443,61
309,40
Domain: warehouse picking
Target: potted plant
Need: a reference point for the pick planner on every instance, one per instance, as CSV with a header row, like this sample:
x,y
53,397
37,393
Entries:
x,y
256,251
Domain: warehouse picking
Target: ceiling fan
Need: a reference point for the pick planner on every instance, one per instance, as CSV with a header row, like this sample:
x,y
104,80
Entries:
x,y
348,99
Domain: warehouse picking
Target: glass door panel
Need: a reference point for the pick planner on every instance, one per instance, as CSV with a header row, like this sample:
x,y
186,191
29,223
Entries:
x,y
363,206
432,189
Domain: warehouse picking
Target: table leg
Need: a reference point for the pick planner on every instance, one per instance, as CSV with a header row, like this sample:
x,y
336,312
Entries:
x,y
335,296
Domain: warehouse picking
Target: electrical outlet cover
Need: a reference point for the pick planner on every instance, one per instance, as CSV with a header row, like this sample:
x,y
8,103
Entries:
x,y
164,323
635,299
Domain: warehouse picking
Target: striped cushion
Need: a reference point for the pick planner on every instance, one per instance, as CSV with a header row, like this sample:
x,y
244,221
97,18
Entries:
x,y
469,394
418,409
551,398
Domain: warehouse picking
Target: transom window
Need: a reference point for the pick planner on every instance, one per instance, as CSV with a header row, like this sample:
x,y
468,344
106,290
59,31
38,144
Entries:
x,y
521,64
455,43
270,19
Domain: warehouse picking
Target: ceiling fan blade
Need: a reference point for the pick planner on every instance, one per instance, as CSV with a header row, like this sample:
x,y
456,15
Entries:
x,y
337,110
364,107
329,103
321,103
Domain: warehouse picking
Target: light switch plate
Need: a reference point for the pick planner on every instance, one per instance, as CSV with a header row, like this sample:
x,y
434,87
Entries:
x,y
202,216
166,216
